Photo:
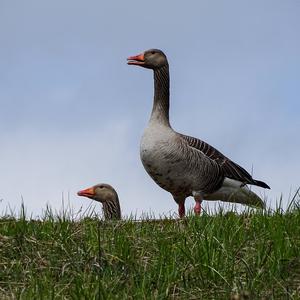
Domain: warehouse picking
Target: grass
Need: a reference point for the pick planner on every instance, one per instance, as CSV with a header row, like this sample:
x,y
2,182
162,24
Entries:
x,y
252,255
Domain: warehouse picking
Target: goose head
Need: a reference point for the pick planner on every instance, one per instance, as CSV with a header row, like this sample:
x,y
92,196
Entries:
x,y
101,192
150,59
107,195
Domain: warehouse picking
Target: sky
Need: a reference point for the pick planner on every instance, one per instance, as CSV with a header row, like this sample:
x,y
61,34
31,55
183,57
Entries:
x,y
72,112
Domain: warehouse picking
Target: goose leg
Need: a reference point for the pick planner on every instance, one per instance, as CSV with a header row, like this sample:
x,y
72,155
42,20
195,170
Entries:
x,y
197,208
181,208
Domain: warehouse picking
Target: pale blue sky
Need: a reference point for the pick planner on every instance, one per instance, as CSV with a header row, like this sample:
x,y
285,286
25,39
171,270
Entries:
x,y
72,111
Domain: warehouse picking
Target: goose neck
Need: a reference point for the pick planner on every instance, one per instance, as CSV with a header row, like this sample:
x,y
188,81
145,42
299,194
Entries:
x,y
161,104
111,209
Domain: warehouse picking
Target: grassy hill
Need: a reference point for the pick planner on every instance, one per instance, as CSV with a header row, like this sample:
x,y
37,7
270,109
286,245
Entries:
x,y
254,255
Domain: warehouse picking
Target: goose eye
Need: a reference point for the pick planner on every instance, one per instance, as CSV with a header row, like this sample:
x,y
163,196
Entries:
x,y
152,52
101,187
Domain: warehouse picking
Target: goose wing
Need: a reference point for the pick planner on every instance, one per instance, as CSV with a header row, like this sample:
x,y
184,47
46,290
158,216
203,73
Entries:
x,y
230,168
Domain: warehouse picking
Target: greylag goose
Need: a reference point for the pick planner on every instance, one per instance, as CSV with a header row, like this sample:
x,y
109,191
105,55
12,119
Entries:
x,y
183,165
108,196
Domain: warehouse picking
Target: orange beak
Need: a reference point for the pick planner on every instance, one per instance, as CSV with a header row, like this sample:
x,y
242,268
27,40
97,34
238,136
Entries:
x,y
90,192
136,60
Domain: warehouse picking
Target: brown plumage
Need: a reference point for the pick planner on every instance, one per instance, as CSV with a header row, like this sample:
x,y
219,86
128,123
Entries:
x,y
230,169
183,165
107,195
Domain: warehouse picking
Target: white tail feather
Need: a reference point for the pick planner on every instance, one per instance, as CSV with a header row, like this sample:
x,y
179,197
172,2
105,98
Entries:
x,y
235,191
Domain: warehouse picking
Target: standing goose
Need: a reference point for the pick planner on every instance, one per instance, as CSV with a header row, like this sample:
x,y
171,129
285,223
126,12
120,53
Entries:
x,y
183,165
107,195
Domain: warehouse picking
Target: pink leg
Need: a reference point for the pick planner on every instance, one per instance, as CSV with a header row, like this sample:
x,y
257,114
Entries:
x,y
197,208
181,209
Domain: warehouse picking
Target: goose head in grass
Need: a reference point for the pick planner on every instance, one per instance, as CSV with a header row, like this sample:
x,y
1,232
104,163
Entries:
x,y
107,195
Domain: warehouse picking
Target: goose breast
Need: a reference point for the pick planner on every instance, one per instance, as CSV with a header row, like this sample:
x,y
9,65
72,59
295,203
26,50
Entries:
x,y
173,165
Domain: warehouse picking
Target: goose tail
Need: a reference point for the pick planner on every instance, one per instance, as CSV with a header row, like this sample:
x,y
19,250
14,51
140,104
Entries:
x,y
236,192
261,184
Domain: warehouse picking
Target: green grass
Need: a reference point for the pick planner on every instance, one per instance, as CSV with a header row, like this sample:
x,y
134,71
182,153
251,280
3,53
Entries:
x,y
253,255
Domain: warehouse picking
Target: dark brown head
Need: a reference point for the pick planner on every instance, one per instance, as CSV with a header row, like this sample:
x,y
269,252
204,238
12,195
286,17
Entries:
x,y
107,195
150,59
